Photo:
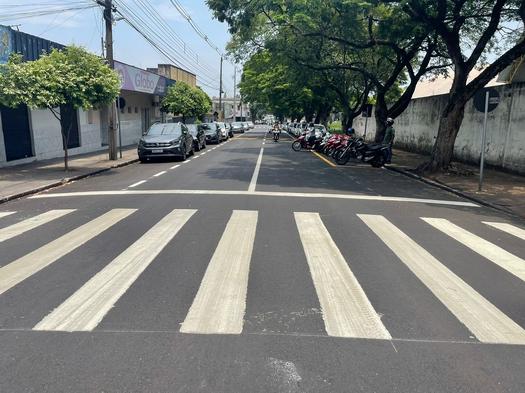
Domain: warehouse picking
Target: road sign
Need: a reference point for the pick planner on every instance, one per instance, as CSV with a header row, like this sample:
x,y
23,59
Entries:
x,y
479,99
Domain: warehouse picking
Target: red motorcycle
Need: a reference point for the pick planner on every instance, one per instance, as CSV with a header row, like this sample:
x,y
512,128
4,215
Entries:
x,y
305,142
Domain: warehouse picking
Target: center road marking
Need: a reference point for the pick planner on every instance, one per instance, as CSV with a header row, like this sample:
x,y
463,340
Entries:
x,y
253,182
481,317
324,159
24,267
137,184
175,166
84,310
379,198
160,174
347,312
220,303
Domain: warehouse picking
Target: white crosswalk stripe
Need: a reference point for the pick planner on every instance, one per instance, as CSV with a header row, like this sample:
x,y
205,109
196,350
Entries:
x,y
518,232
24,267
481,317
492,252
32,223
5,214
84,310
220,303
347,312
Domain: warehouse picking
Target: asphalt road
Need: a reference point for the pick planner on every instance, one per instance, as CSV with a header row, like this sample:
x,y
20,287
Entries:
x,y
253,268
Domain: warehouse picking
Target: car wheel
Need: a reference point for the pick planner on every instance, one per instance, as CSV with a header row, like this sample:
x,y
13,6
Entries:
x,y
192,151
184,155
143,159
204,144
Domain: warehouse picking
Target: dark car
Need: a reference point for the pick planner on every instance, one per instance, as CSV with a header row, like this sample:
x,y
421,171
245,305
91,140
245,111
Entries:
x,y
166,140
237,128
199,136
213,133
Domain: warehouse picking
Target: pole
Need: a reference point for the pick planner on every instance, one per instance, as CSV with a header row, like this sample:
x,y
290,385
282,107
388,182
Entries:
x,y
235,94
366,124
112,130
119,129
221,115
483,142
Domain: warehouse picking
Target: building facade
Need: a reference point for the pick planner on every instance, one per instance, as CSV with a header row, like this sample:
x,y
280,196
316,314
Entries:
x,y
34,134
232,109
175,73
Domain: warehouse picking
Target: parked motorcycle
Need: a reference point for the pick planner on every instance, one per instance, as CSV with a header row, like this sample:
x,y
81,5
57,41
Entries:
x,y
304,142
375,154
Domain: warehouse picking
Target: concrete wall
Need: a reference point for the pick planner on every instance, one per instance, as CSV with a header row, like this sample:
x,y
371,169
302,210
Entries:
x,y
416,129
131,116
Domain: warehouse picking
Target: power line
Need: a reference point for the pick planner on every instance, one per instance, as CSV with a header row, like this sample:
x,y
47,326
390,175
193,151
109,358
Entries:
x,y
143,23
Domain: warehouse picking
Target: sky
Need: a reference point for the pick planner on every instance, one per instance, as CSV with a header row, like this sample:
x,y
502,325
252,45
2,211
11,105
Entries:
x,y
84,28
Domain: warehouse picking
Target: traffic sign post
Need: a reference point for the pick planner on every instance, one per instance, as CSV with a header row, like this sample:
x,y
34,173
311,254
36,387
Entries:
x,y
485,101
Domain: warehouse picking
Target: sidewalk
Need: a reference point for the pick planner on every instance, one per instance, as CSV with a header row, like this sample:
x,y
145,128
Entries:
x,y
501,190
21,180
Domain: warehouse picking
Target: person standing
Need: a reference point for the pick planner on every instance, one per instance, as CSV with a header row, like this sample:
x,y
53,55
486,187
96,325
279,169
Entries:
x,y
388,140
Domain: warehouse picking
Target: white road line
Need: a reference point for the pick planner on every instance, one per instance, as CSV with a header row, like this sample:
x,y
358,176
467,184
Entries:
x,y
24,267
175,166
220,303
379,198
160,174
31,223
481,317
255,176
493,253
5,214
511,229
84,310
137,184
347,312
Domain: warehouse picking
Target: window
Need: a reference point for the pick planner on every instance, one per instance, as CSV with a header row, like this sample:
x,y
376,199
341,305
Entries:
x,y
90,116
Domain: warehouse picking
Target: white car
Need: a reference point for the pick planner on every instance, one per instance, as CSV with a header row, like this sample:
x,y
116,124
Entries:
x,y
224,131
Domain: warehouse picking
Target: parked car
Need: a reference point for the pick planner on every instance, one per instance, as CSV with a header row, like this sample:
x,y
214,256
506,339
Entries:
x,y
237,128
166,140
251,125
245,126
213,133
199,136
230,130
223,130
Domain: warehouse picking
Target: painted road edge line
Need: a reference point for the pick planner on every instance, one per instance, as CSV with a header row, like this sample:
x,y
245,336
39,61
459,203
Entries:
x,y
324,159
137,184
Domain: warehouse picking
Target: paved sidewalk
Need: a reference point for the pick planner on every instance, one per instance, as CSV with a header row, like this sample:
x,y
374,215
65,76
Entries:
x,y
502,190
20,180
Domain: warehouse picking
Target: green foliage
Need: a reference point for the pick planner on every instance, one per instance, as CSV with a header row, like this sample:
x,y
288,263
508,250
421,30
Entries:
x,y
69,76
182,99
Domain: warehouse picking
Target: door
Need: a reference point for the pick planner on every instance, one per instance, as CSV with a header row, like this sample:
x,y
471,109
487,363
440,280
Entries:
x,y
69,116
17,133
146,120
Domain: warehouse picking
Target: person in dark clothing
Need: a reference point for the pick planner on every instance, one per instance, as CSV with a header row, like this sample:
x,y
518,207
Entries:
x,y
388,140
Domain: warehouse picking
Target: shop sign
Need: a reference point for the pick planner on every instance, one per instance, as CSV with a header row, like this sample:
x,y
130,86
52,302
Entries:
x,y
135,79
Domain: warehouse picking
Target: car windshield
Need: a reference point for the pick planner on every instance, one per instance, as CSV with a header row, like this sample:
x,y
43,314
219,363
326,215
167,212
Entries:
x,y
192,128
172,129
209,128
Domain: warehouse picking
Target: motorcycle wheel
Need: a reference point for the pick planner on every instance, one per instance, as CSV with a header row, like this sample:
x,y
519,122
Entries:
x,y
343,159
378,161
296,146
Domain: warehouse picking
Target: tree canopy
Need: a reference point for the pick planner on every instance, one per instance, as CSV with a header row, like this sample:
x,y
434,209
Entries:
x,y
71,76
182,99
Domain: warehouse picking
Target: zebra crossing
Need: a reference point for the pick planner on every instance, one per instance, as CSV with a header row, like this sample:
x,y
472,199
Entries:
x,y
219,304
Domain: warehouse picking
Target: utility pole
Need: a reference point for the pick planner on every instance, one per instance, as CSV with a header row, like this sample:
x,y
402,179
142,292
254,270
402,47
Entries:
x,y
235,93
112,129
221,116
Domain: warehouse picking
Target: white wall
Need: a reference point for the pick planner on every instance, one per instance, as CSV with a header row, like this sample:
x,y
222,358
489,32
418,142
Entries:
x,y
131,116
416,129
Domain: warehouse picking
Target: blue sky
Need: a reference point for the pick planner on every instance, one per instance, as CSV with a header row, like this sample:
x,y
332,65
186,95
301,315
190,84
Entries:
x,y
84,28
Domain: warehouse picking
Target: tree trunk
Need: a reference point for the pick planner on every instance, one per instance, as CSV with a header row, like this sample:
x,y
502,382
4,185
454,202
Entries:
x,y
449,125
347,122
381,114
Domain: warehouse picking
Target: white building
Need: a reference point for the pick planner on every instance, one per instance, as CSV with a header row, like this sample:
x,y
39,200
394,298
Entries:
x,y
232,108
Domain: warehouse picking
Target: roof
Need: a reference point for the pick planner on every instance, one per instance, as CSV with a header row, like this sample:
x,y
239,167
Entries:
x,y
514,72
441,85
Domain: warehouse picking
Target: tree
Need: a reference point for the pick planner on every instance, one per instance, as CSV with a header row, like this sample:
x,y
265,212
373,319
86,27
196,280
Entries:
x,y
71,76
182,99
470,31
373,38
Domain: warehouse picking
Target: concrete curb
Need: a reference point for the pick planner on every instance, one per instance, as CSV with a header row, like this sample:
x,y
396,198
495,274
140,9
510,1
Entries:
x,y
64,181
452,190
